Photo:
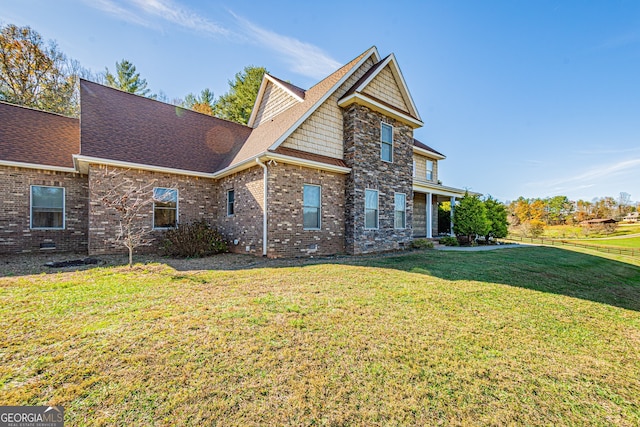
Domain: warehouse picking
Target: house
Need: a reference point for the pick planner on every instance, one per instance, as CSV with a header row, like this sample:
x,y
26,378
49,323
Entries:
x,y
331,169
597,222
632,217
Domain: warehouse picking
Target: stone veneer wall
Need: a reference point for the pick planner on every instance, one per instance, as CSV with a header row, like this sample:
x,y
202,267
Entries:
x,y
287,236
245,225
15,232
196,201
362,128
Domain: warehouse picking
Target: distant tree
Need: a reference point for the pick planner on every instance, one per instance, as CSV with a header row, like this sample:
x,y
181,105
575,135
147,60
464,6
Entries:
x,y
624,203
558,209
236,104
470,218
497,218
36,74
127,79
203,103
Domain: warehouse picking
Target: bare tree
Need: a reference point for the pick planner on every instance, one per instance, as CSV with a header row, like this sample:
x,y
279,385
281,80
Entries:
x,y
131,199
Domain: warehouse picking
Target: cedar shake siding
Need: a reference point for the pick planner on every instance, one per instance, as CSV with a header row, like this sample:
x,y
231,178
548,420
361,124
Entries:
x,y
16,234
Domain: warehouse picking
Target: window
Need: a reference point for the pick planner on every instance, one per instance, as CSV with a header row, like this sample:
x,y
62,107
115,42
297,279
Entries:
x,y
370,209
414,168
387,143
231,202
311,207
165,207
400,211
47,207
429,170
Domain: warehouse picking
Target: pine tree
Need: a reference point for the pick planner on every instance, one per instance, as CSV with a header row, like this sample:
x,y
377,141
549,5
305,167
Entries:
x,y
127,79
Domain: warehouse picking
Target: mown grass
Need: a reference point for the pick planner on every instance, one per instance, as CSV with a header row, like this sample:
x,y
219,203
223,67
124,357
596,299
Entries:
x,y
530,336
630,242
576,231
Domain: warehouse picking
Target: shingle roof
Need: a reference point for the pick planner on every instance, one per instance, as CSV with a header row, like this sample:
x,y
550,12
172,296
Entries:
x,y
39,137
267,133
293,88
117,125
425,147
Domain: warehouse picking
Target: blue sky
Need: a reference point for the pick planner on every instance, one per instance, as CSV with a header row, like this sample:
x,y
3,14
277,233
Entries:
x,y
531,98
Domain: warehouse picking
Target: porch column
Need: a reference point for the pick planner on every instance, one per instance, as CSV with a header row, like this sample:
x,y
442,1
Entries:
x,y
453,202
428,216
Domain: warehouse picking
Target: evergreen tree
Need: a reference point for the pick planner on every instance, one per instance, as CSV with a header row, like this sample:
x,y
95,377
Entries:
x,y
127,79
497,218
202,103
236,104
470,218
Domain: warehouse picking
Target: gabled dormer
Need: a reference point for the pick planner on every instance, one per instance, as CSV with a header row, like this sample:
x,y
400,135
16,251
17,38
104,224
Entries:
x,y
383,89
274,97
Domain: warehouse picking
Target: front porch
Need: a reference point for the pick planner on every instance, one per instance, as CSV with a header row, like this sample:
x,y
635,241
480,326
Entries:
x,y
426,198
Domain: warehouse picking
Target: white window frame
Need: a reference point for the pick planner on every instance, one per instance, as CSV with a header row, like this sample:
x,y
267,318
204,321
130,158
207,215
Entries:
x,y
229,191
64,208
428,171
382,142
153,215
396,210
414,168
319,207
377,209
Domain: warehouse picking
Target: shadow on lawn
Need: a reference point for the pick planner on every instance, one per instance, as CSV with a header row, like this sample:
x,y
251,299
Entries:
x,y
543,269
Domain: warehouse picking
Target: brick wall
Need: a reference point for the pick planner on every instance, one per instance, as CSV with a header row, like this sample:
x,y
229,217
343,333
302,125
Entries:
x,y
245,225
15,232
368,171
287,236
196,201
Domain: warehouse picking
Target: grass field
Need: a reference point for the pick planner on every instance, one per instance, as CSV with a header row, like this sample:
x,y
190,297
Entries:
x,y
527,336
578,232
631,242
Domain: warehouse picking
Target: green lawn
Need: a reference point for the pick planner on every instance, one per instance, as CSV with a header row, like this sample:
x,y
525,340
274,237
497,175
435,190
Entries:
x,y
527,336
631,242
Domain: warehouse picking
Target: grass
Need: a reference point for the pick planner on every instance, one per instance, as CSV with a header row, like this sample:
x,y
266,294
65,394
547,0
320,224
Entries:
x,y
630,242
579,232
527,336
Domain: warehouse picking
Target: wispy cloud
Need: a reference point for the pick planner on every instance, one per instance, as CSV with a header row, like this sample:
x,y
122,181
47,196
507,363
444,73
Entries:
x,y
302,58
180,15
632,37
592,176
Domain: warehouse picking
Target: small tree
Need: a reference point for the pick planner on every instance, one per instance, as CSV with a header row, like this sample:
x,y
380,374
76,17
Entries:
x,y
470,218
497,218
130,199
127,79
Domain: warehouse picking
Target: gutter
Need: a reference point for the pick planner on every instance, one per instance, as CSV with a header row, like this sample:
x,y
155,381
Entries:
x,y
265,176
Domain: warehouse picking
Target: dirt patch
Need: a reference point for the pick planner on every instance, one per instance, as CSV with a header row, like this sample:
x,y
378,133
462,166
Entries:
x,y
24,264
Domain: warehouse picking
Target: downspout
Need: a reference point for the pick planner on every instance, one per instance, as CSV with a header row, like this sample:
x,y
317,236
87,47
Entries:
x,y
265,176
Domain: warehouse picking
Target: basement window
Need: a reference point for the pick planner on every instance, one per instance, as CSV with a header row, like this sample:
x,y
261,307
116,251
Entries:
x,y
47,207
165,207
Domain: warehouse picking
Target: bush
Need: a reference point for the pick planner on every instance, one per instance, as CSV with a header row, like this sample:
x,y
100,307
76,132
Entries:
x,y
449,241
193,240
421,244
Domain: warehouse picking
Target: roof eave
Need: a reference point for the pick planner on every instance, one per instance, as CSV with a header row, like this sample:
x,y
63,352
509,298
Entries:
x,y
429,153
28,165
362,99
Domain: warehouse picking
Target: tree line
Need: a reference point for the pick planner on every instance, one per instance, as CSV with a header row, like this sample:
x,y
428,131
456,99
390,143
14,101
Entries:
x,y
36,73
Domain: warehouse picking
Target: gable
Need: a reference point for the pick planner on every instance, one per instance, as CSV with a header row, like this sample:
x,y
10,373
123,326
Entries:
x,y
385,87
322,131
274,101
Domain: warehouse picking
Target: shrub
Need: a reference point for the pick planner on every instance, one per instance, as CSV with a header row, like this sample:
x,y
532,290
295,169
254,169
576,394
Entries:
x,y
449,241
421,244
193,240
